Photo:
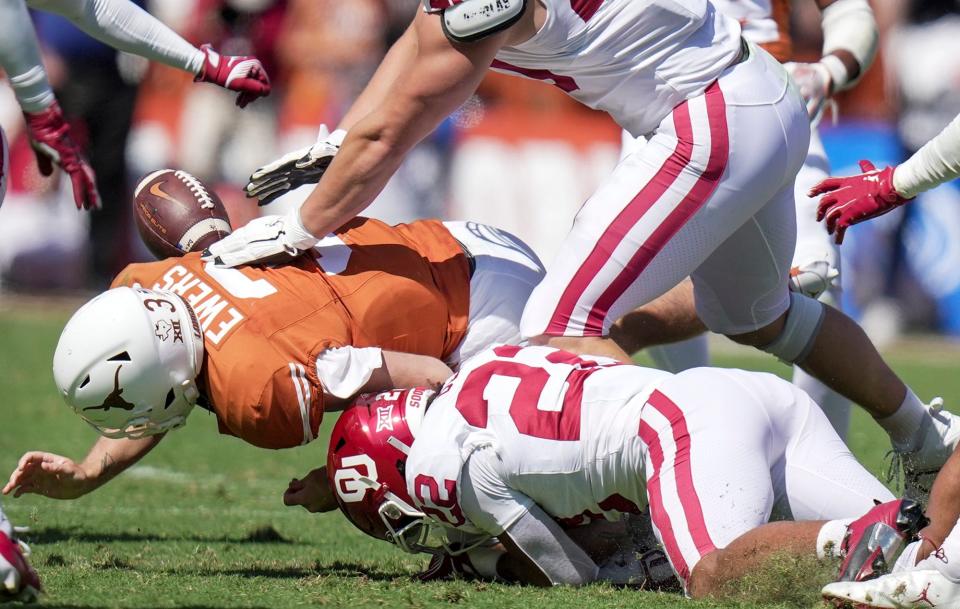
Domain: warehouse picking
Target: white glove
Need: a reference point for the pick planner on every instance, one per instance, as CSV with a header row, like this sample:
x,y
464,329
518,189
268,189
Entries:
x,y
294,169
262,240
815,84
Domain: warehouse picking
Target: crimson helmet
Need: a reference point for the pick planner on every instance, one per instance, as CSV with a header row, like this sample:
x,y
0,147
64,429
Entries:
x,y
366,461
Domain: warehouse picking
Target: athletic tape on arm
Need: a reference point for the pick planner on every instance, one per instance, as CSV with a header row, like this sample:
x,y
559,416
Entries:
x,y
848,25
491,505
20,57
127,27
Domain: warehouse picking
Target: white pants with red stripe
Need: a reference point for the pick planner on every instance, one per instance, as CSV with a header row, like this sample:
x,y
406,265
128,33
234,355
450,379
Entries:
x,y
4,165
709,196
728,449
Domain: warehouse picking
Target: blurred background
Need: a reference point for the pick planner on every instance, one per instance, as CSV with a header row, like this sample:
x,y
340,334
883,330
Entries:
x,y
519,154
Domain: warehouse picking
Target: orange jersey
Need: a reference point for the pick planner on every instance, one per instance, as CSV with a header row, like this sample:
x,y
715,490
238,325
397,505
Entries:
x,y
403,288
765,22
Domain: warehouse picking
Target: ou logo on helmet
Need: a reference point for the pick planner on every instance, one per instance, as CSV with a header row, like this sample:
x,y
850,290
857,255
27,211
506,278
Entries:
x,y
352,483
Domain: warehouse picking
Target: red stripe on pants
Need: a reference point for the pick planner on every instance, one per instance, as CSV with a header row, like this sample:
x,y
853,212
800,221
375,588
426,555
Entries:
x,y
625,221
700,193
683,473
585,8
658,513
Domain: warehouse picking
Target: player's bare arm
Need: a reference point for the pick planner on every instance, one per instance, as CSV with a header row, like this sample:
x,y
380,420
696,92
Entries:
x,y
407,370
943,510
429,85
855,65
60,477
850,37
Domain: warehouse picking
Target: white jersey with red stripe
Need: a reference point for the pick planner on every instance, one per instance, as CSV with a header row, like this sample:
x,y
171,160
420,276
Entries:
x,y
713,453
635,59
564,429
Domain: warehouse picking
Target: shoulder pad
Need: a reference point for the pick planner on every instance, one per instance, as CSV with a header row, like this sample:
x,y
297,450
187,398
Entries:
x,y
472,20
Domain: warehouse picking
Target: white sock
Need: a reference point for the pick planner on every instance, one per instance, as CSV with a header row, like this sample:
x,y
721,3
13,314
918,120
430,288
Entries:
x,y
830,536
903,425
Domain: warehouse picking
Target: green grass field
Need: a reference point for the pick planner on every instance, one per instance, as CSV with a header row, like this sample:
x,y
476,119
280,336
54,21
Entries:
x,y
200,522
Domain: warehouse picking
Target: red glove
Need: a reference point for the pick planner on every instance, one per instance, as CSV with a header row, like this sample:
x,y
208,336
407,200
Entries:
x,y
243,73
51,142
853,199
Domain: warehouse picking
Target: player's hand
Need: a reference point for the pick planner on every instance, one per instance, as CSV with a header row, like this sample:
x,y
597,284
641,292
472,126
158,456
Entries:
x,y
851,200
241,73
815,84
49,475
52,144
312,492
262,240
444,566
294,169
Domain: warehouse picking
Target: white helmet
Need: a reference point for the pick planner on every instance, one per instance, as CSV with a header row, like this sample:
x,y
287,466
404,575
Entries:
x,y
127,362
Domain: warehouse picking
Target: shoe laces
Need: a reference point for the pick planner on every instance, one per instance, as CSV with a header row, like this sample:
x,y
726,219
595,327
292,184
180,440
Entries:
x,y
894,473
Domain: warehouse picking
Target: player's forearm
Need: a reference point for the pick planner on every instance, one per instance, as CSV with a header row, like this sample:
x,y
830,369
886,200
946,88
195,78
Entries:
x,y
402,370
20,57
109,457
126,27
400,55
369,156
850,36
944,506
937,162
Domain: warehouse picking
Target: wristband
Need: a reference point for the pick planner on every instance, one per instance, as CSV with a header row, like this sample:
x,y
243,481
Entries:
x,y
839,77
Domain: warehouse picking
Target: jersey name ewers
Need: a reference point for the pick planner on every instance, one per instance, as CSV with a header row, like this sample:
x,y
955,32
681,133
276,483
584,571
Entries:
x,y
564,429
402,288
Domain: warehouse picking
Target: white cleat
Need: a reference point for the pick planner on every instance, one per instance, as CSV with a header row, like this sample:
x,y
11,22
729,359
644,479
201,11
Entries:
x,y
939,436
903,590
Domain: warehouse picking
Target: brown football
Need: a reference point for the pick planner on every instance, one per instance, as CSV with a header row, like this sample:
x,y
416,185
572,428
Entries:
x,y
176,213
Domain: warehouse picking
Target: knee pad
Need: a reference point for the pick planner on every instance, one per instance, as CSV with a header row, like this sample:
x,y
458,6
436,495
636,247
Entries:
x,y
801,328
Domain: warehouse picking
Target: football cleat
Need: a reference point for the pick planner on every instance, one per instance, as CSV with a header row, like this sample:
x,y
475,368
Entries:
x,y
873,541
903,590
939,435
18,580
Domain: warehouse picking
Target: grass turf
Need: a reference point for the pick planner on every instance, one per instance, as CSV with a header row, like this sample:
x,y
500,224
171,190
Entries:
x,y
200,523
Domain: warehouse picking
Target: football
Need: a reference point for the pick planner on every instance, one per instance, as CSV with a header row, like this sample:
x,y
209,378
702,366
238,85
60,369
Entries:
x,y
176,213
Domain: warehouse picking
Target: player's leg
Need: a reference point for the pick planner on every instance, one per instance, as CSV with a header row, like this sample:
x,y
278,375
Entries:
x,y
703,174
711,449
505,272
816,273
818,478
670,318
668,328
4,165
757,309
